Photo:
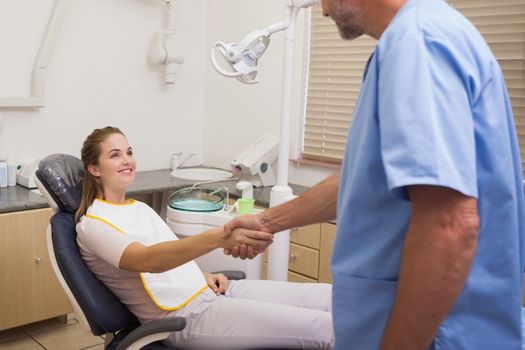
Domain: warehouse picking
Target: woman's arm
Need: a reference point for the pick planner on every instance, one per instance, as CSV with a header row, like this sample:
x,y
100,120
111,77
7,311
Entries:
x,y
165,256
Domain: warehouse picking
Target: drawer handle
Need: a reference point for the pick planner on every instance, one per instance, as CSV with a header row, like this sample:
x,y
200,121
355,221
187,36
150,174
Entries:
x,y
293,256
38,260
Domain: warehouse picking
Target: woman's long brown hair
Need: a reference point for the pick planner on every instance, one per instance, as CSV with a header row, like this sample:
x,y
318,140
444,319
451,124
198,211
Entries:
x,y
91,186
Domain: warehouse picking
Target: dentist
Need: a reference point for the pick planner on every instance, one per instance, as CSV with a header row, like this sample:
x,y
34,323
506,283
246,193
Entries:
x,y
429,202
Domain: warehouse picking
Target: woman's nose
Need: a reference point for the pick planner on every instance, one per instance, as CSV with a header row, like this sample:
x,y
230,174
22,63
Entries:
x,y
126,159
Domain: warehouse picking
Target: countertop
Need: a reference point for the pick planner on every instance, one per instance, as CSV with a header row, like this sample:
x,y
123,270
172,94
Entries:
x,y
19,198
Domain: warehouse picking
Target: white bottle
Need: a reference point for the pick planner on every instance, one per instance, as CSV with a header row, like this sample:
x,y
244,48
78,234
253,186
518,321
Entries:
x,y
3,173
12,168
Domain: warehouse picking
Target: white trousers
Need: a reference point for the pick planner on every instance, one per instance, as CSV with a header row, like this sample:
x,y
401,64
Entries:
x,y
257,314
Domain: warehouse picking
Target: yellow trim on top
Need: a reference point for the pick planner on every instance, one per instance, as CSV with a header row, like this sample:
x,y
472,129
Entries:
x,y
170,308
105,221
129,201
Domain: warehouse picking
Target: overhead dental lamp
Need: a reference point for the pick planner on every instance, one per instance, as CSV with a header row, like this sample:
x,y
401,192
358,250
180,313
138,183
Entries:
x,y
243,57
241,63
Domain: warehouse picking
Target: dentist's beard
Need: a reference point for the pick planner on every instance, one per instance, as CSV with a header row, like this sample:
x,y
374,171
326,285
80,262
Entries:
x,y
349,20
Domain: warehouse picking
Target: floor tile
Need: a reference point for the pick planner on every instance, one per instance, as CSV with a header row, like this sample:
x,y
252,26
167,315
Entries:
x,y
11,334
69,337
96,347
52,323
21,344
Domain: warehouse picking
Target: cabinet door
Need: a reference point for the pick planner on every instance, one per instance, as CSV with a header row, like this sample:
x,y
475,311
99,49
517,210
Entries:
x,y
304,260
309,236
295,277
29,290
325,252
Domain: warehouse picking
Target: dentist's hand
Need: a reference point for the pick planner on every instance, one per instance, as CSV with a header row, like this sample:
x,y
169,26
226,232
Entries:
x,y
248,222
239,236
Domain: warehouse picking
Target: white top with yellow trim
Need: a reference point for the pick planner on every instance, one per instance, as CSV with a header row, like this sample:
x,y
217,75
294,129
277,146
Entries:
x,y
169,290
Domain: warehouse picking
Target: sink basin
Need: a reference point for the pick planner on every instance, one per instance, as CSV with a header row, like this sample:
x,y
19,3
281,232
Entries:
x,y
201,174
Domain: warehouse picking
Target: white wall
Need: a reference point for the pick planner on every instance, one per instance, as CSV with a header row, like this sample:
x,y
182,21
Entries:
x,y
236,114
99,75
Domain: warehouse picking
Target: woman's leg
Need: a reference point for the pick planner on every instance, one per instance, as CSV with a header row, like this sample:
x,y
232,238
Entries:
x,y
317,296
260,314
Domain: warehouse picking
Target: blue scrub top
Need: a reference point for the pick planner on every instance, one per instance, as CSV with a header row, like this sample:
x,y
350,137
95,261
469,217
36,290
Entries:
x,y
433,110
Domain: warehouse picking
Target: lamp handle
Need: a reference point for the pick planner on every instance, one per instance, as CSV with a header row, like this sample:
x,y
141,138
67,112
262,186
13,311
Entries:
x,y
218,68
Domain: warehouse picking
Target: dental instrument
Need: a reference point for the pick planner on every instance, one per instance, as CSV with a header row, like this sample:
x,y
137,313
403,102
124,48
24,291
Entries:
x,y
257,164
242,59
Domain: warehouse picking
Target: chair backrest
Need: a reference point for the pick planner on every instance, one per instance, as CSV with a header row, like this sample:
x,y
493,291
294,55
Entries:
x,y
59,177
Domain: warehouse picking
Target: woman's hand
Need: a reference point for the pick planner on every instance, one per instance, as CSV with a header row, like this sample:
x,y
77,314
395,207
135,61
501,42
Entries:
x,y
247,222
258,240
217,282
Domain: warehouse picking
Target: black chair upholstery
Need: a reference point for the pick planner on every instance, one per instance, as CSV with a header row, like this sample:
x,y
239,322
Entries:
x,y
106,312
61,175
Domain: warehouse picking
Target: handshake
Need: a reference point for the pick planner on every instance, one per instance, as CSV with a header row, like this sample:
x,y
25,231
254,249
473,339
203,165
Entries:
x,y
247,236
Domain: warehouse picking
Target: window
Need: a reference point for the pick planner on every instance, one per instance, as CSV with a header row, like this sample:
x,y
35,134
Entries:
x,y
502,23
335,72
336,68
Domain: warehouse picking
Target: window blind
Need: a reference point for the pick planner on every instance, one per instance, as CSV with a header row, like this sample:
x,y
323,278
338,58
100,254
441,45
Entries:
x,y
335,72
502,24
336,67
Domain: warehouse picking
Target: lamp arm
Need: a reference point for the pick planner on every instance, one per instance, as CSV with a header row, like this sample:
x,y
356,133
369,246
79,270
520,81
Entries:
x,y
277,27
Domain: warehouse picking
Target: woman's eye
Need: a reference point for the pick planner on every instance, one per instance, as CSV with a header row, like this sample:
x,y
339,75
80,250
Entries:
x,y
114,155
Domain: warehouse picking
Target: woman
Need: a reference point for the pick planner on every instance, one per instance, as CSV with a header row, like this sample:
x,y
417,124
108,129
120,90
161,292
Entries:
x,y
130,249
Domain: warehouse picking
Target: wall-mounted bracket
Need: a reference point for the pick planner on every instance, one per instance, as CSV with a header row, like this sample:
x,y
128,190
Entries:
x,y
38,78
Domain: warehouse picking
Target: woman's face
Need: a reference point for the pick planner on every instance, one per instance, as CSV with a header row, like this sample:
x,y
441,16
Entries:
x,y
116,164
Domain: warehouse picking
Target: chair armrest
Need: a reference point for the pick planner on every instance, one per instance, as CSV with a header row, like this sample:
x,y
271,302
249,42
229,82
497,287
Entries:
x,y
233,275
151,332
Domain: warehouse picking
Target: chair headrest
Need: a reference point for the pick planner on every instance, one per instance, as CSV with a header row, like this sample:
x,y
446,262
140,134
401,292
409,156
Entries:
x,y
61,175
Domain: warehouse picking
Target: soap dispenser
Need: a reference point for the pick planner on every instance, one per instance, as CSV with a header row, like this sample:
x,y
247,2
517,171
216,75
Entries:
x,y
246,202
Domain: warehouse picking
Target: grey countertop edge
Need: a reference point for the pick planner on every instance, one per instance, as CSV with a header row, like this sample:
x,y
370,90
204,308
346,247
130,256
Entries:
x,y
18,198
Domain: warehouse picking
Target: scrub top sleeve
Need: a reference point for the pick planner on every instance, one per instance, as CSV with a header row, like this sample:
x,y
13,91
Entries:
x,y
425,118
102,240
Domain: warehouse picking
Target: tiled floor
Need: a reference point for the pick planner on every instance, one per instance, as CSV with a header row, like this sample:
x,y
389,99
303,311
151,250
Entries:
x,y
51,335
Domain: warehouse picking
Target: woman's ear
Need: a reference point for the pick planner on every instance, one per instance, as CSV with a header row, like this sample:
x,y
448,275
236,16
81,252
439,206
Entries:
x,y
93,170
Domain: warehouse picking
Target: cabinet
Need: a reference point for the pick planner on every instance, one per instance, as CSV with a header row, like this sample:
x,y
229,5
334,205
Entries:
x,y
310,254
29,290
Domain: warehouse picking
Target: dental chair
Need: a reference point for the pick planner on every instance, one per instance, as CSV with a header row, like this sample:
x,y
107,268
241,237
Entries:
x,y
59,179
